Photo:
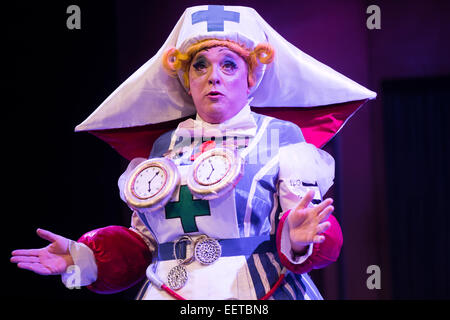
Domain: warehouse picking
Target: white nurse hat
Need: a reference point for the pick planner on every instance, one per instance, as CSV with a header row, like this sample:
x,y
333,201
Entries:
x,y
151,101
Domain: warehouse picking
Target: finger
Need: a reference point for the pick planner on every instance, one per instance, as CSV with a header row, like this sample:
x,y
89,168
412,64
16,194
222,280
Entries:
x,y
318,239
304,202
47,235
321,206
325,214
28,259
35,267
26,252
322,227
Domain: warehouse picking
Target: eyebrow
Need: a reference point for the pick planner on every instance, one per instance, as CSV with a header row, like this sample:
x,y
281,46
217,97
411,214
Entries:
x,y
201,55
230,54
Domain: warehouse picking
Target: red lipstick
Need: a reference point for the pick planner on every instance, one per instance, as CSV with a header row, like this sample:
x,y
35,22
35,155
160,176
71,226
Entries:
x,y
214,94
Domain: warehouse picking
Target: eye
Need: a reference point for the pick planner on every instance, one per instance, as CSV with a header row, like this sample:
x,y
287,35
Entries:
x,y
229,65
199,65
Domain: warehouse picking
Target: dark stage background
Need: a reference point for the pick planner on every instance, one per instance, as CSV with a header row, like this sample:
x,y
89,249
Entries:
x,y
392,156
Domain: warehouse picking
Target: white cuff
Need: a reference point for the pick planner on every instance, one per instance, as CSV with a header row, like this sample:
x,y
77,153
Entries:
x,y
286,248
84,272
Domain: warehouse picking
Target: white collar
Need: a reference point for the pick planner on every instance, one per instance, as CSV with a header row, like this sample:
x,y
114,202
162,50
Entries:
x,y
242,125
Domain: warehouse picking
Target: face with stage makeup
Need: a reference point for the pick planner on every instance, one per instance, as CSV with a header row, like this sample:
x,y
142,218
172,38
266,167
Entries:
x,y
218,83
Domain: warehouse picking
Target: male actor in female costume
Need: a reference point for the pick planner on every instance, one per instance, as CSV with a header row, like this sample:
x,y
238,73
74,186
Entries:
x,y
266,227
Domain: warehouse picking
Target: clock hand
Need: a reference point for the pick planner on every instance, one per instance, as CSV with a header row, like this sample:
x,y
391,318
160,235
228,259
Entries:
x,y
150,181
211,170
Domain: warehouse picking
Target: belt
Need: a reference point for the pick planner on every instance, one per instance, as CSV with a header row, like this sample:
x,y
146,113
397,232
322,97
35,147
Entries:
x,y
230,247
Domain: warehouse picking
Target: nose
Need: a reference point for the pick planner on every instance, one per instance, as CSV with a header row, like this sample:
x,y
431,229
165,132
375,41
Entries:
x,y
214,81
214,76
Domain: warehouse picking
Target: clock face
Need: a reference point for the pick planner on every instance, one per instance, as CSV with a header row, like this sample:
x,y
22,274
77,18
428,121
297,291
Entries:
x,y
149,182
215,173
212,169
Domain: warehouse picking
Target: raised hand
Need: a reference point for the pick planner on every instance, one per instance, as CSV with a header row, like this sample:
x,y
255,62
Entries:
x,y
50,260
306,224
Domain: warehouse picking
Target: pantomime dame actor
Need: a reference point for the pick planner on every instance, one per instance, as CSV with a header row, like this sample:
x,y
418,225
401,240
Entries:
x,y
225,197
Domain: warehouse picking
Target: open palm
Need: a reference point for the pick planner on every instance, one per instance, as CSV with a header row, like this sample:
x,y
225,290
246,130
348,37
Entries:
x,y
308,223
50,260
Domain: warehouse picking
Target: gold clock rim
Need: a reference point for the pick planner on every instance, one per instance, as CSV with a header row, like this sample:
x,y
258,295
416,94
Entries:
x,y
172,181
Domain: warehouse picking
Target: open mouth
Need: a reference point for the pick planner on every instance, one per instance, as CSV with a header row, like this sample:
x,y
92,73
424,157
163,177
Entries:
x,y
214,94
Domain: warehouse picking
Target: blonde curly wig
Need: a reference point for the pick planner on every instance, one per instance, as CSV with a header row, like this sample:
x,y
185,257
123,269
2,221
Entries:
x,y
174,60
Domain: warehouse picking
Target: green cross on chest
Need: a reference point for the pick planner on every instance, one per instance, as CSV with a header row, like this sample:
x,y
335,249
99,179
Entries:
x,y
186,208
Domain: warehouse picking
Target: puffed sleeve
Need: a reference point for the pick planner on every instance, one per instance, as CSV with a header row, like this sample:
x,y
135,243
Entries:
x,y
121,256
115,258
304,167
